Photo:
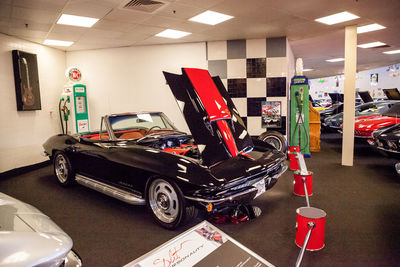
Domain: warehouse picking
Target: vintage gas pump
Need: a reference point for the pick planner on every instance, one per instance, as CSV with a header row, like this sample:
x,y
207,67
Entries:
x,y
73,107
299,111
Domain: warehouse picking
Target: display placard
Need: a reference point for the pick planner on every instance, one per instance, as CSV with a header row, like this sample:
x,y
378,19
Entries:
x,y
202,245
271,114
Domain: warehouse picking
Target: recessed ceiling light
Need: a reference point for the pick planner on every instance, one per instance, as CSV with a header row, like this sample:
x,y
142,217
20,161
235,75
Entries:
x,y
308,69
210,17
392,52
57,43
369,45
335,59
337,18
77,21
174,34
370,28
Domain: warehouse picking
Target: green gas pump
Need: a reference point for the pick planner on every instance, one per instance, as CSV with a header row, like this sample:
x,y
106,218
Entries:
x,y
80,107
73,104
299,114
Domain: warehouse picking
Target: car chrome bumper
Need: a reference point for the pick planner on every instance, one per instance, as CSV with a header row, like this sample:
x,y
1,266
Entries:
x,y
72,260
245,195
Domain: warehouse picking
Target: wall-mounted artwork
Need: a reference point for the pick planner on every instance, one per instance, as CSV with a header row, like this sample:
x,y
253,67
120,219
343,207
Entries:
x,y
271,114
374,78
26,78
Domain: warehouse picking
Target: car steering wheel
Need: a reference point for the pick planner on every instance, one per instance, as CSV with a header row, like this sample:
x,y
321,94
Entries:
x,y
149,130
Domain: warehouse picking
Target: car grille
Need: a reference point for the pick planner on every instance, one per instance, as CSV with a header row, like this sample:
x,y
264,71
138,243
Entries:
x,y
272,171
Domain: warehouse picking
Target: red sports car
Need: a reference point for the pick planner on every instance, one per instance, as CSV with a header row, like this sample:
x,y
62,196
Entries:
x,y
364,126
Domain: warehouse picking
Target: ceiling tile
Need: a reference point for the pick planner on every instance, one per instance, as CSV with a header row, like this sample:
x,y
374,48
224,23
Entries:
x,y
107,42
161,21
36,15
27,33
30,25
50,5
203,3
65,29
5,10
127,16
86,9
146,29
96,33
180,11
109,25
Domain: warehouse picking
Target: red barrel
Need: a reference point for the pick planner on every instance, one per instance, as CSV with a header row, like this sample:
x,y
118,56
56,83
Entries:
x,y
298,188
294,165
305,215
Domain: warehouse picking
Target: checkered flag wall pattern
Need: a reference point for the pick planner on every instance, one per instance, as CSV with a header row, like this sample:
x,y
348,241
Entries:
x,y
252,71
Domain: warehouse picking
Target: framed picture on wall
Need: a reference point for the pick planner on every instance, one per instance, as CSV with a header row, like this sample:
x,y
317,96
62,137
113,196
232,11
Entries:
x,y
271,114
26,78
374,78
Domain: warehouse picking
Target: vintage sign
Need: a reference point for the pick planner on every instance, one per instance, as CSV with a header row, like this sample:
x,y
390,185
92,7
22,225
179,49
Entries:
x,y
271,114
202,245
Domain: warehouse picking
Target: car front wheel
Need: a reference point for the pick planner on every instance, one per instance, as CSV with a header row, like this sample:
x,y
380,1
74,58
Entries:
x,y
166,202
63,169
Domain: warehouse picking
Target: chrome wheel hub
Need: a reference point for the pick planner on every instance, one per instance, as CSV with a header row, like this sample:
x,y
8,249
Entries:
x,y
163,200
61,168
273,141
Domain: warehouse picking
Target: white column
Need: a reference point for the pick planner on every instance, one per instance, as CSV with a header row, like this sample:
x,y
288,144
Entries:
x,y
350,66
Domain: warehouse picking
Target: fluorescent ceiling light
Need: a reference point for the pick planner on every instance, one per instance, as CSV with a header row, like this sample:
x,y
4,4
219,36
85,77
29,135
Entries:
x,y
335,59
370,28
174,34
57,43
77,21
369,45
308,69
210,17
337,18
392,52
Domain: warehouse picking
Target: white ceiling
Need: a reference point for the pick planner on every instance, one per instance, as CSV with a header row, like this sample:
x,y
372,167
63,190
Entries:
x,y
35,20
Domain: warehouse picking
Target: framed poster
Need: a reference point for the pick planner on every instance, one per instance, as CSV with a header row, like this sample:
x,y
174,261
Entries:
x,y
26,78
374,78
202,245
271,114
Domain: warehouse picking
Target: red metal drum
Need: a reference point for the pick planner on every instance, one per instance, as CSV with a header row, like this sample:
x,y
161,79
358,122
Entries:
x,y
294,165
298,188
306,215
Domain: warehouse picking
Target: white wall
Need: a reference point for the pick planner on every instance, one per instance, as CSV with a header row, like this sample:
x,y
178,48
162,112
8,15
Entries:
x,y
23,132
388,77
131,79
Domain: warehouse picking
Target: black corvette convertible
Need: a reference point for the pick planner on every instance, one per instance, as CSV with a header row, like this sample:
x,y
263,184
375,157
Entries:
x,y
387,139
141,158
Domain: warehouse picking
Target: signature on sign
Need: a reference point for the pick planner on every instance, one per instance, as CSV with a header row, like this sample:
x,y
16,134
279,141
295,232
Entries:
x,y
173,255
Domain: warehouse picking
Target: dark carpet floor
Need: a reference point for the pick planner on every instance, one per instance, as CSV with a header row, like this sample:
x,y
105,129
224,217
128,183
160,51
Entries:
x,y
361,202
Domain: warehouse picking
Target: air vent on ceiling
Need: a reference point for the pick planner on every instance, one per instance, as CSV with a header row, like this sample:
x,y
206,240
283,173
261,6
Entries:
x,y
148,6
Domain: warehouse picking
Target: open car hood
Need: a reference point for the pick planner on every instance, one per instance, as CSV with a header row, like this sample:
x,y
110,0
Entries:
x,y
213,119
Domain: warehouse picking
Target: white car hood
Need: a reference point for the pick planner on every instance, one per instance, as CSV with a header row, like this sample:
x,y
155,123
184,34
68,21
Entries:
x,y
29,237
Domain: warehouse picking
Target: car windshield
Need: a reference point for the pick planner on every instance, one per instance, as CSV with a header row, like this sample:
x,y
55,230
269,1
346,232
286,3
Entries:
x,y
394,111
372,109
133,126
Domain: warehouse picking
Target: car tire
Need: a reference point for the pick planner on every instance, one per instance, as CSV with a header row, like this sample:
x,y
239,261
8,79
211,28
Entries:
x,y
63,170
276,139
166,202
